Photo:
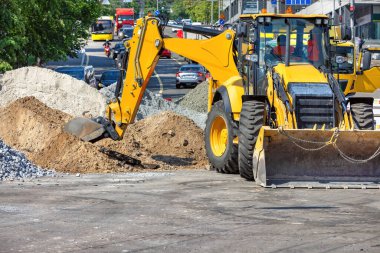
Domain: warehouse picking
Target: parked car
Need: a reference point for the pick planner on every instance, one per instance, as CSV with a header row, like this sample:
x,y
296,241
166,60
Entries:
x,y
127,26
186,21
84,73
108,77
117,49
172,22
125,33
166,53
190,74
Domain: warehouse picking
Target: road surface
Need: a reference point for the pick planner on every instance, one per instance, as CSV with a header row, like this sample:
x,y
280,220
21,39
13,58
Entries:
x,y
183,211
163,80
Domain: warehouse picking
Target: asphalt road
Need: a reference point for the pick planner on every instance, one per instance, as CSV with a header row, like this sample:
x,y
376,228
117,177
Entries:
x,y
183,211
163,80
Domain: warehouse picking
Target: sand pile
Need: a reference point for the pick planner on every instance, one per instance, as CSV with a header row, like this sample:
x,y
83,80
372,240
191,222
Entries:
x,y
58,91
196,99
35,129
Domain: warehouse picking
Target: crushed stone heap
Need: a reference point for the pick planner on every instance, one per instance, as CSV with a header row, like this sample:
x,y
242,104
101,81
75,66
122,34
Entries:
x,y
15,166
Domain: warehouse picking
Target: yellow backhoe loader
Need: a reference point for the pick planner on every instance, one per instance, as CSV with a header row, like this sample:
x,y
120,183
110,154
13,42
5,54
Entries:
x,y
358,74
276,112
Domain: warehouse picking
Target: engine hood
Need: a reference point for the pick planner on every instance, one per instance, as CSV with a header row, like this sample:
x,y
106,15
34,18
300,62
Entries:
x,y
300,73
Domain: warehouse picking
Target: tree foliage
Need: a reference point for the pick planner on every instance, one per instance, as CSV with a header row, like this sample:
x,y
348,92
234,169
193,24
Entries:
x,y
35,31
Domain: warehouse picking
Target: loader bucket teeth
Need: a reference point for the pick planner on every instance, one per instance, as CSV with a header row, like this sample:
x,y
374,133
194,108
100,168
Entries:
x,y
85,129
279,162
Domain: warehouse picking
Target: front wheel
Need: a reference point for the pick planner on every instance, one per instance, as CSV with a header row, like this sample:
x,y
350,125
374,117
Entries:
x,y
220,133
251,121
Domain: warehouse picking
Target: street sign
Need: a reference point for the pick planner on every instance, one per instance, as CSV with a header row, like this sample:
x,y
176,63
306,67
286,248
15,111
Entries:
x,y
157,12
221,21
250,6
297,2
273,2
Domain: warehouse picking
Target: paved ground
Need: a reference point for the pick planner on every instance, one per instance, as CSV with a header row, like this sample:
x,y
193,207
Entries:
x,y
184,211
162,81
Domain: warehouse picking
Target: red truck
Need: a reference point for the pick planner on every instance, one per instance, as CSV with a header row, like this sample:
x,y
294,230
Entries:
x,y
124,16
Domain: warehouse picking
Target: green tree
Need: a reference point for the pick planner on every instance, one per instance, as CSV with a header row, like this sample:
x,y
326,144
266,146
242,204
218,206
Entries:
x,y
12,34
36,31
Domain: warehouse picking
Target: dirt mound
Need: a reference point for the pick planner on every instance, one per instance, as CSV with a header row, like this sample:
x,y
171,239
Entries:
x,y
56,90
165,137
30,126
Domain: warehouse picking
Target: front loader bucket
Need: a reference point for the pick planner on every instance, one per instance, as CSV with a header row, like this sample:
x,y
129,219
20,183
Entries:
x,y
84,128
288,159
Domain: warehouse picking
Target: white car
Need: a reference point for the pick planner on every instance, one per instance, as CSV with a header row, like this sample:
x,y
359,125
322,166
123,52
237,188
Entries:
x,y
186,21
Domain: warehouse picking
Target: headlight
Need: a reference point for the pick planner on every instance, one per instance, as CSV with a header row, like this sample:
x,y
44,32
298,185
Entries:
x,y
261,19
116,51
268,19
318,21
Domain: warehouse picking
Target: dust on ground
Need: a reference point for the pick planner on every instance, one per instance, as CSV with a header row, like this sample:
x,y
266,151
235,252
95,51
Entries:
x,y
166,139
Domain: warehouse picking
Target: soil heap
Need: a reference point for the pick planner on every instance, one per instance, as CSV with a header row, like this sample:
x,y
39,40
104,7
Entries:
x,y
35,129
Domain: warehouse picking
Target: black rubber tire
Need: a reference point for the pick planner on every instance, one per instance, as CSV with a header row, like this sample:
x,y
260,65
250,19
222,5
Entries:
x,y
178,86
362,115
251,121
228,162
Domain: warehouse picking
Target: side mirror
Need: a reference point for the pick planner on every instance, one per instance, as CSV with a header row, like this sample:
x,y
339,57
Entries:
x,y
366,60
340,59
242,30
252,57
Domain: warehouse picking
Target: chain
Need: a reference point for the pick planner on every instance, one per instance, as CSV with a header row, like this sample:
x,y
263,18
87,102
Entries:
x,y
353,160
332,142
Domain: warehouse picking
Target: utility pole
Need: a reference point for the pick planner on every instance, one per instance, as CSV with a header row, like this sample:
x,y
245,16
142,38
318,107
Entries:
x,y
142,5
157,5
333,13
218,8
212,12
278,7
352,23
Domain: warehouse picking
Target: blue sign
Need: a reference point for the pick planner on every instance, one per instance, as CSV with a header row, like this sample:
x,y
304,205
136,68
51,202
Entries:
x,y
221,21
297,2
274,2
157,12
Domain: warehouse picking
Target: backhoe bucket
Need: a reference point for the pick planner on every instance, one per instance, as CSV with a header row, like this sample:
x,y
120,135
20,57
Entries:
x,y
84,128
309,159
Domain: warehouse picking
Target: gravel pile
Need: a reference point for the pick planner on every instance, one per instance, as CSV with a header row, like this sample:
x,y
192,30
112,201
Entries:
x,y
196,99
152,104
15,166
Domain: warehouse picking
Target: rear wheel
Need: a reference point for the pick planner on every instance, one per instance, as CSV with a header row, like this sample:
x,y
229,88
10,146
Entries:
x,y
362,115
219,140
251,120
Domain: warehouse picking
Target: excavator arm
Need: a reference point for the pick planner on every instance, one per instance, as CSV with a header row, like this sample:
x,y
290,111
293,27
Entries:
x,y
215,54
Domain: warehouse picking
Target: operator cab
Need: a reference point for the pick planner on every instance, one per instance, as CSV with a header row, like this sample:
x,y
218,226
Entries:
x,y
267,40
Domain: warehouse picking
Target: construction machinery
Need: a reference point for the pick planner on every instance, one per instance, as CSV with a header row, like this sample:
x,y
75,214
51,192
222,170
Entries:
x,y
358,73
276,113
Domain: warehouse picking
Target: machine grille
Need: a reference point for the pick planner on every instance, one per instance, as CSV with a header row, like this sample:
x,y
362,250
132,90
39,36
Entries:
x,y
313,104
312,110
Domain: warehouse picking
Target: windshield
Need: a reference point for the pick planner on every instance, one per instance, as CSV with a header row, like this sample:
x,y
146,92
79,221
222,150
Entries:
x,y
112,75
124,17
128,32
190,69
119,46
102,26
307,41
78,74
375,58
348,55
